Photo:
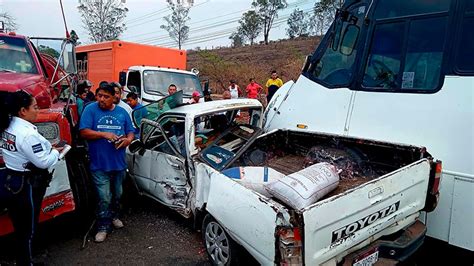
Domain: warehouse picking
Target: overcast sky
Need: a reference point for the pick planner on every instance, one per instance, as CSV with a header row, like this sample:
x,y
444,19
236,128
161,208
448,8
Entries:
x,y
211,24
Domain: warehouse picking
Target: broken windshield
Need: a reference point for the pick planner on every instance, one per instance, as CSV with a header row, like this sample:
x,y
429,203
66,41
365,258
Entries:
x,y
222,136
153,110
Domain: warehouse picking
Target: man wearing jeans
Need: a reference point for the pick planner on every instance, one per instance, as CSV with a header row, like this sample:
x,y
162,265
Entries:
x,y
108,129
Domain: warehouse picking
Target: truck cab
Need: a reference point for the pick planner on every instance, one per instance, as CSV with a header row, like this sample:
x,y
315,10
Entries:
x,y
151,83
49,80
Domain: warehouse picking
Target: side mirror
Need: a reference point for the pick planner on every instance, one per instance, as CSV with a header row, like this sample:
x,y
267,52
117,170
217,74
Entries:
x,y
123,78
136,146
349,40
68,59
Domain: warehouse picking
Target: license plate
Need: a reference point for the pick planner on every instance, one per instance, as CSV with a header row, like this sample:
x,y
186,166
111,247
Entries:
x,y
367,260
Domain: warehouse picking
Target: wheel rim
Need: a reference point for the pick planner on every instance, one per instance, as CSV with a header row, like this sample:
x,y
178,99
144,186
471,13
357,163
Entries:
x,y
217,244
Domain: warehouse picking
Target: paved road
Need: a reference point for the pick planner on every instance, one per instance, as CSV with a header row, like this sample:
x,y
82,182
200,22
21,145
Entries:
x,y
155,235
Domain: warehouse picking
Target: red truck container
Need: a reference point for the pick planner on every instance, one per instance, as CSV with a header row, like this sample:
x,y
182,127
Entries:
x,y
104,61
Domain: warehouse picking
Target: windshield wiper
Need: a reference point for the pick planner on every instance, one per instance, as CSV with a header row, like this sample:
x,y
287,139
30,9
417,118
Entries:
x,y
7,70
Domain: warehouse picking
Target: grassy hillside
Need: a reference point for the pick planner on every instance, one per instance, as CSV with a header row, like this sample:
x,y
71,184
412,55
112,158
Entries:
x,y
257,61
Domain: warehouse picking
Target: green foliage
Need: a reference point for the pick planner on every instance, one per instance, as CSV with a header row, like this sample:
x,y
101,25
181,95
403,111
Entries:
x,y
176,21
250,26
324,12
267,10
237,39
103,19
298,24
48,50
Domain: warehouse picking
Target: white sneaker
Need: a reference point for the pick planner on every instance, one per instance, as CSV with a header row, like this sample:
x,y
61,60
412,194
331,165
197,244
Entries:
x,y
100,236
117,223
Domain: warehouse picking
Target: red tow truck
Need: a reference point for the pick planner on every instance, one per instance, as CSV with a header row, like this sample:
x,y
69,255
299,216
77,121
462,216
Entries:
x,y
51,80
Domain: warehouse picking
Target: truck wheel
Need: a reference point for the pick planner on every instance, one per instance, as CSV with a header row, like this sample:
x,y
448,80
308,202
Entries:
x,y
81,185
221,249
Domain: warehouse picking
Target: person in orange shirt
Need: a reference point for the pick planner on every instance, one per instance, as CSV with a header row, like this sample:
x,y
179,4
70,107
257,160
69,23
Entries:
x,y
273,84
253,89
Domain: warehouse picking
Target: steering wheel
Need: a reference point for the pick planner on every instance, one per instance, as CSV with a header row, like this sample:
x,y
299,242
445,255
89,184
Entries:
x,y
383,74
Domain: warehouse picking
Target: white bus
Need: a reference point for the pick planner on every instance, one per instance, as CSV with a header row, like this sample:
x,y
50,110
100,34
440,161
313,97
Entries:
x,y
399,71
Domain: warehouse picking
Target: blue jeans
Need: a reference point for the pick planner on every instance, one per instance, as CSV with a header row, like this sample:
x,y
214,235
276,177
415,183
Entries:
x,y
108,186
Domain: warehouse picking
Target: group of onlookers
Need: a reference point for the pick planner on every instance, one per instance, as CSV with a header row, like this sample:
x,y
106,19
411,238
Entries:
x,y
106,124
253,89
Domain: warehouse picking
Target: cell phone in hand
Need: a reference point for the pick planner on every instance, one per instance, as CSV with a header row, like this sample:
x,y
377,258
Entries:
x,y
119,139
60,144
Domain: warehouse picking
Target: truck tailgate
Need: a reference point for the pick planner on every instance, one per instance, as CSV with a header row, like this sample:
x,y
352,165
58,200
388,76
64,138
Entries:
x,y
338,223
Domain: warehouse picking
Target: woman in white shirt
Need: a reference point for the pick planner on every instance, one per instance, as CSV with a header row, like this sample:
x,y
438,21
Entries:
x,y
27,157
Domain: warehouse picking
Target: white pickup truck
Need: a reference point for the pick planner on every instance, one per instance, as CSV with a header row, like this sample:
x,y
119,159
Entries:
x,y
184,151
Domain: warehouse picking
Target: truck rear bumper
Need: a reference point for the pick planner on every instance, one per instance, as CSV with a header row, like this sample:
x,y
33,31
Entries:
x,y
394,248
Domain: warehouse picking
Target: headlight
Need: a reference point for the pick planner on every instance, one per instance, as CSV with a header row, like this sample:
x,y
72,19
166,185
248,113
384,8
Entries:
x,y
49,131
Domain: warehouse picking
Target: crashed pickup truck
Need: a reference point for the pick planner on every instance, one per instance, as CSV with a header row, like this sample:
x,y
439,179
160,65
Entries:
x,y
184,154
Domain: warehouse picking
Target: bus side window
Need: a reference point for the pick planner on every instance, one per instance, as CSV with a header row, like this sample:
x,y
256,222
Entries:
x,y
383,63
465,48
406,54
424,55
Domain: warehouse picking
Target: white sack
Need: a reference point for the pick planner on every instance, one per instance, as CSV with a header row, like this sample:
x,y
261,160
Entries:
x,y
305,187
254,178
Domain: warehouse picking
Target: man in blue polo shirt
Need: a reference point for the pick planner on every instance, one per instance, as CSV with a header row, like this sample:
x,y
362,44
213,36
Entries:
x,y
108,129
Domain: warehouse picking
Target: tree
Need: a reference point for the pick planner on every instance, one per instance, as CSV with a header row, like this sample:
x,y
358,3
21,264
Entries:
x,y
250,26
103,19
298,24
237,39
48,50
324,13
267,10
176,21
9,21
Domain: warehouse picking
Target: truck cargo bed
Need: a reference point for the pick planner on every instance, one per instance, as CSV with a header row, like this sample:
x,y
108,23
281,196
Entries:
x,y
357,161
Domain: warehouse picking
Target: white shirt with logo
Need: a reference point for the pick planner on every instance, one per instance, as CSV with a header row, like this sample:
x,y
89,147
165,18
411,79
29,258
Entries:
x,y
22,143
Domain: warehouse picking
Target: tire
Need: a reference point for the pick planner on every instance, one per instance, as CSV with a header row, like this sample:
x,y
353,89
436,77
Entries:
x,y
81,186
220,248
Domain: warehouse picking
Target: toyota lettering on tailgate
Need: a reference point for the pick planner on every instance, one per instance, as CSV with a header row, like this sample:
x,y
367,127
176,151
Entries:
x,y
348,230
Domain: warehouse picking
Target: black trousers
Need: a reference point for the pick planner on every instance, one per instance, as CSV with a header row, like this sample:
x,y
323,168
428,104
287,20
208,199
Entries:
x,y
24,203
271,91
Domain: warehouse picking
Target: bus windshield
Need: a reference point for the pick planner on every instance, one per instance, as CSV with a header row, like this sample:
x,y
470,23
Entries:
x,y
15,56
401,46
337,53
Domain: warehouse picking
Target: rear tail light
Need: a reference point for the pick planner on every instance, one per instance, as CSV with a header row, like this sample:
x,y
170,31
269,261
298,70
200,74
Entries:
x,y
432,196
290,246
437,177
